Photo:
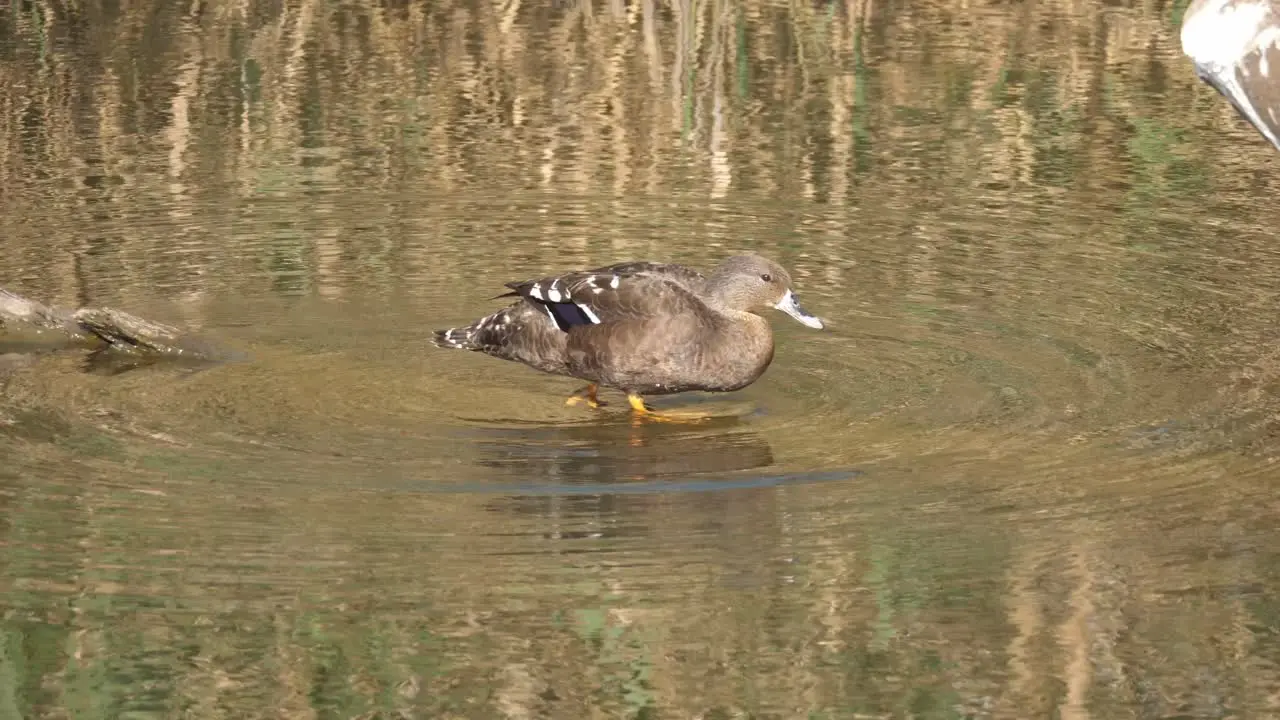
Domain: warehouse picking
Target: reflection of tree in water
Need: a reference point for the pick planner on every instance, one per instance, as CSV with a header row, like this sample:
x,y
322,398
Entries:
x,y
261,97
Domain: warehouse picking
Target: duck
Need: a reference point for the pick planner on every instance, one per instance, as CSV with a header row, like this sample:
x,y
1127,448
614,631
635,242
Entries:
x,y
642,327
1231,43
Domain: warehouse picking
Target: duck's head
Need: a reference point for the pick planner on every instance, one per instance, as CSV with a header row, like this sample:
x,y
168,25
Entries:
x,y
750,282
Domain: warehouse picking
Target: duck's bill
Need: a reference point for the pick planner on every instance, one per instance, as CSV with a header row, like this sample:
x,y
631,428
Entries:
x,y
789,306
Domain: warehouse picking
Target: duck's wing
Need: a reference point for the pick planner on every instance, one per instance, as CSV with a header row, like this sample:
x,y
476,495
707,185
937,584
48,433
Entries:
x,y
613,294
688,278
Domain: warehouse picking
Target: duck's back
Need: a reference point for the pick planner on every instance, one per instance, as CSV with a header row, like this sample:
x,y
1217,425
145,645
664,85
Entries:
x,y
687,278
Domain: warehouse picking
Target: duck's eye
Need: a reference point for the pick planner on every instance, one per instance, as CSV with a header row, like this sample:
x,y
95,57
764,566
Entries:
x,y
766,277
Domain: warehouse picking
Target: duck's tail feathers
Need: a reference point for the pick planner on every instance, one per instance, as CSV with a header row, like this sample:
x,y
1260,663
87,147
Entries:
x,y
459,338
483,334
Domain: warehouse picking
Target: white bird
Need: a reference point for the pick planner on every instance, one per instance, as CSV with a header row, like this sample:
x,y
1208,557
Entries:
x,y
1234,44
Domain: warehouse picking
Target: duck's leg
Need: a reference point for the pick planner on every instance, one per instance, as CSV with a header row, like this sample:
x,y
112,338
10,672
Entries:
x,y
588,395
642,410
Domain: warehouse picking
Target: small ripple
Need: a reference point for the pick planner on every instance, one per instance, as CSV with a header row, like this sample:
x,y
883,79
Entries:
x,y
700,485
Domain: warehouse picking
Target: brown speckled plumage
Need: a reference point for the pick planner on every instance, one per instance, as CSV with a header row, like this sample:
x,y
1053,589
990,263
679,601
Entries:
x,y
642,327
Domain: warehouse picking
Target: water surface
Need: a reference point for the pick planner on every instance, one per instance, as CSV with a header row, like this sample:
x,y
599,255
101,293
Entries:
x,y
1028,470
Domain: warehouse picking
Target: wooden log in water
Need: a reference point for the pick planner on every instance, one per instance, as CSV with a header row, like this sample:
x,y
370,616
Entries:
x,y
120,331
15,309
127,332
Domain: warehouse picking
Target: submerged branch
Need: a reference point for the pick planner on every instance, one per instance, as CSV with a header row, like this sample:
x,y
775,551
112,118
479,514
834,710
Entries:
x,y
120,331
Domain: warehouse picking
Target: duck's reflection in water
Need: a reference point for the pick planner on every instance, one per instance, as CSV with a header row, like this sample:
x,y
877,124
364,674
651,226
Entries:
x,y
596,481
577,457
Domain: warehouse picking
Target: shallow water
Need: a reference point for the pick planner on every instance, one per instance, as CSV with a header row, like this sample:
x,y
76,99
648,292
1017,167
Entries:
x,y
1027,471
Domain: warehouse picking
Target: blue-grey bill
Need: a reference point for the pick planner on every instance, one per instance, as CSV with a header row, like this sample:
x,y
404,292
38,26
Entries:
x,y
789,306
